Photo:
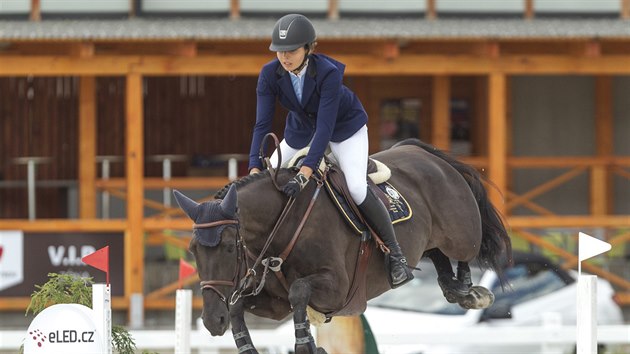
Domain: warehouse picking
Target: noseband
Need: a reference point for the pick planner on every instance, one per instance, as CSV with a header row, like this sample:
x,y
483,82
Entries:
x,y
240,258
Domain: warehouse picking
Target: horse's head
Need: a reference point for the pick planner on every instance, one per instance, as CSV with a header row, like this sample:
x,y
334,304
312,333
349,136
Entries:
x,y
218,252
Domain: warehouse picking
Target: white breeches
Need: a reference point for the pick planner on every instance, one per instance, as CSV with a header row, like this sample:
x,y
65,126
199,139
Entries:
x,y
351,155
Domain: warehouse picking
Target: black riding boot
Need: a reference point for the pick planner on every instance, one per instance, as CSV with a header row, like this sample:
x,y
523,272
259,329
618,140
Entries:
x,y
378,218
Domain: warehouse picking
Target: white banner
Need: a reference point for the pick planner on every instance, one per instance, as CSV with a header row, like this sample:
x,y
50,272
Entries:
x,y
11,258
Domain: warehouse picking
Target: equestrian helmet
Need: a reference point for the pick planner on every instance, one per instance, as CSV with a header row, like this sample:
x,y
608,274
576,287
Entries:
x,y
292,32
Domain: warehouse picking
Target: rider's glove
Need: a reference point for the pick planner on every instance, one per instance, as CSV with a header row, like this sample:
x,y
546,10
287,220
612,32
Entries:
x,y
295,185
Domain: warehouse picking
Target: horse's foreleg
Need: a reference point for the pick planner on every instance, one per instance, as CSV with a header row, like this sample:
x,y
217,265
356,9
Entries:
x,y
299,296
239,330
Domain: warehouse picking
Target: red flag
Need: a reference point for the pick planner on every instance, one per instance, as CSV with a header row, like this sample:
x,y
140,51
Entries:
x,y
99,260
185,270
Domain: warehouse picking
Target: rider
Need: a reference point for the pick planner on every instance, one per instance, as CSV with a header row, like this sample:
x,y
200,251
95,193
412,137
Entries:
x,y
322,112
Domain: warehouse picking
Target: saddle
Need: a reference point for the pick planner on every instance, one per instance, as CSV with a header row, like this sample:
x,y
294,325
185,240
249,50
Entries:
x,y
336,186
378,175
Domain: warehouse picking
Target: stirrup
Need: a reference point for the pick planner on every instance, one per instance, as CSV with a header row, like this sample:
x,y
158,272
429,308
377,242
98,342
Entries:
x,y
390,276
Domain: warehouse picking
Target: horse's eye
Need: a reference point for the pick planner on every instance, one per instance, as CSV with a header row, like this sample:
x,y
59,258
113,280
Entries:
x,y
230,248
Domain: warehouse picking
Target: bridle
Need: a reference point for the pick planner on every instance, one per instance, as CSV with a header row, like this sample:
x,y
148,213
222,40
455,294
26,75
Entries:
x,y
240,282
240,259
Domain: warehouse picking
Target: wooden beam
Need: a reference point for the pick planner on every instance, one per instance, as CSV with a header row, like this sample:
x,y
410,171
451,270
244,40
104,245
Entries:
x,y
167,303
566,161
625,9
390,50
184,49
333,10
441,119
509,135
133,8
82,49
497,144
153,224
491,49
402,65
368,65
36,10
592,49
531,205
134,160
21,303
601,190
573,221
235,9
431,10
623,299
87,147
572,259
65,65
604,116
149,203
63,225
479,127
172,287
529,9
545,187
175,182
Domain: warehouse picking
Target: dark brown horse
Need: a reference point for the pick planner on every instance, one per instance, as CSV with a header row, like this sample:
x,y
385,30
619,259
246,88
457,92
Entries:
x,y
452,219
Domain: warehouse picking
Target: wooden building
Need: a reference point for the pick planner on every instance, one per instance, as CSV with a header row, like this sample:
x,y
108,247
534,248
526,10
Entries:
x,y
142,90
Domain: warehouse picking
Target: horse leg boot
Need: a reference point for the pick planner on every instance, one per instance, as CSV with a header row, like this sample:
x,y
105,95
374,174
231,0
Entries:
x,y
452,288
463,274
299,295
378,219
239,330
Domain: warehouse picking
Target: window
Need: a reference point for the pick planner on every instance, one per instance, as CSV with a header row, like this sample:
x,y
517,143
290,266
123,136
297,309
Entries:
x,y
399,120
528,282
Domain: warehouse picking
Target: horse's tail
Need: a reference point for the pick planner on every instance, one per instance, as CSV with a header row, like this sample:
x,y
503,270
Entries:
x,y
495,239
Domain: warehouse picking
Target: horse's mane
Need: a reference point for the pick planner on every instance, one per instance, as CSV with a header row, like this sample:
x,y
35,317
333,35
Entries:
x,y
243,181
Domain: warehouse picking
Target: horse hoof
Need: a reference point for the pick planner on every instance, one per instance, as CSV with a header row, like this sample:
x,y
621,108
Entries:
x,y
478,297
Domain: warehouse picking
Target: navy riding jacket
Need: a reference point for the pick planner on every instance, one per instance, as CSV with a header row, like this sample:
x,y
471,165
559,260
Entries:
x,y
329,111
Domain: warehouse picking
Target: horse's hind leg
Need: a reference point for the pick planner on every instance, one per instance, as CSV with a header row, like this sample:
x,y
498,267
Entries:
x,y
299,296
239,330
463,273
452,288
459,289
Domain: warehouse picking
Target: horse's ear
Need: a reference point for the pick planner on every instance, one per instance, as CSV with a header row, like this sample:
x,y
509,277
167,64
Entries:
x,y
228,205
189,206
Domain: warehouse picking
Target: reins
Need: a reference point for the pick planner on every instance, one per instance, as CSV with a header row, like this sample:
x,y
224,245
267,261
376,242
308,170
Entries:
x,y
261,155
241,284
274,263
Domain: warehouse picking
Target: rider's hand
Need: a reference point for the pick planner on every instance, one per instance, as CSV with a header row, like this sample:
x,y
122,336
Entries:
x,y
254,170
295,185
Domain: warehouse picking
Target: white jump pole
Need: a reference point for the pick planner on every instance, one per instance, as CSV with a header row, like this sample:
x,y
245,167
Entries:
x,y
586,310
183,317
102,307
232,169
587,314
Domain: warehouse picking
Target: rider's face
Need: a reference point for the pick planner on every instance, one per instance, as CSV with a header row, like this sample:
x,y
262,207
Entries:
x,y
291,60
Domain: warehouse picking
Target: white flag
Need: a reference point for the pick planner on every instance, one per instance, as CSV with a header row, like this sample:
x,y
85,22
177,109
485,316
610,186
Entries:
x,y
589,246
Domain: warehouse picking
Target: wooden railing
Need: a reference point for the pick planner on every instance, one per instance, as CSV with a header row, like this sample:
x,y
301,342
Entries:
x,y
529,228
